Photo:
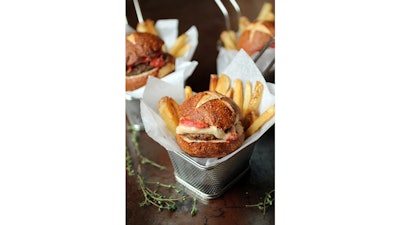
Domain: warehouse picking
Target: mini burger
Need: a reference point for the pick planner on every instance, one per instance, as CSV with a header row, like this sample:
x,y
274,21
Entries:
x,y
209,125
255,36
144,58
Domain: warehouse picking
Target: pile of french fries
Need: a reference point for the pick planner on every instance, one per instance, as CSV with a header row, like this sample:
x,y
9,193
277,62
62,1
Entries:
x,y
248,99
229,38
181,45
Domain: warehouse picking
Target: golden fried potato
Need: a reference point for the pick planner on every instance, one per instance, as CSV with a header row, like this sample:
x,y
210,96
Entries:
x,y
223,84
228,39
213,82
246,97
256,95
147,26
188,92
261,120
179,43
168,109
238,93
266,13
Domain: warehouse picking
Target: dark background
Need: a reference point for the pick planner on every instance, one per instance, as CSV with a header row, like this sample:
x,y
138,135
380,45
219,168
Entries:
x,y
207,18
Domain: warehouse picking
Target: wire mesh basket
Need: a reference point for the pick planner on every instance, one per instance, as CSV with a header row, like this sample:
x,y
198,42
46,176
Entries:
x,y
210,182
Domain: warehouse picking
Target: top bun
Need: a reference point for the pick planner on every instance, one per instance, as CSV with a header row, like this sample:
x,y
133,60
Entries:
x,y
211,108
255,36
140,44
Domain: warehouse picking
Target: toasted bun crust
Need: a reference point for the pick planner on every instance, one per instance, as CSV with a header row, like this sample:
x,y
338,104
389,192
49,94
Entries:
x,y
213,109
256,36
140,44
209,149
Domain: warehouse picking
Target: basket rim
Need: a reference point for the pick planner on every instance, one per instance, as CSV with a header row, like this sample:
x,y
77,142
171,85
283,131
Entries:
x,y
190,159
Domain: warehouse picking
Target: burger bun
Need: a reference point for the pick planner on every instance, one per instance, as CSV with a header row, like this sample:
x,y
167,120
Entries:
x,y
255,36
203,111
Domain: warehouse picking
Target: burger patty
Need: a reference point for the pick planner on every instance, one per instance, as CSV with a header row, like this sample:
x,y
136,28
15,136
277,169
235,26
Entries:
x,y
138,69
203,137
149,63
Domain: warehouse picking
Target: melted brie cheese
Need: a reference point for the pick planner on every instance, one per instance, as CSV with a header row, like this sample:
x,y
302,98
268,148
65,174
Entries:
x,y
217,132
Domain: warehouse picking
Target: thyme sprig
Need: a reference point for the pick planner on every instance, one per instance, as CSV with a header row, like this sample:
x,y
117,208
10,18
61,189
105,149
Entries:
x,y
129,166
151,196
268,201
143,159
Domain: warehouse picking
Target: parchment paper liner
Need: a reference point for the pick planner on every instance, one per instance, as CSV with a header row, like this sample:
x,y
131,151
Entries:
x,y
242,67
225,56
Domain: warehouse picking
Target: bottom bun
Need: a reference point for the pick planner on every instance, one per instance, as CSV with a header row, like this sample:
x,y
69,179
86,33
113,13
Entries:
x,y
137,81
208,149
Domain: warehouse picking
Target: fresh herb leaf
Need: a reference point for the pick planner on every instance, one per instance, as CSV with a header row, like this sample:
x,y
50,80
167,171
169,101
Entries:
x,y
153,197
268,201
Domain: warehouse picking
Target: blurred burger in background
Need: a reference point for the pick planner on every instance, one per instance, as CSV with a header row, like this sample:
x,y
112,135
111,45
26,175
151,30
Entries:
x,y
145,57
252,36
255,36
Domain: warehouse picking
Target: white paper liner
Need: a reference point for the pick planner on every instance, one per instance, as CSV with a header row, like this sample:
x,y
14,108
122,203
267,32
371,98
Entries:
x,y
168,31
225,56
242,67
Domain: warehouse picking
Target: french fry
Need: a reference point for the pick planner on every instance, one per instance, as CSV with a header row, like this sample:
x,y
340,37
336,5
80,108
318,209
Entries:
x,y
238,93
253,116
266,13
213,82
223,84
182,51
176,106
179,43
164,48
188,92
150,27
243,23
261,120
232,35
249,119
147,26
227,40
141,27
246,98
168,109
256,95
229,93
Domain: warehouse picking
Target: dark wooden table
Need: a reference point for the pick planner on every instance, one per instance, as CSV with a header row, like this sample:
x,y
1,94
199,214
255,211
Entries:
x,y
230,208
251,188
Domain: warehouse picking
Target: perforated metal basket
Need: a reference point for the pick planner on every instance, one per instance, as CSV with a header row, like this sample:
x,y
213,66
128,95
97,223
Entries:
x,y
210,182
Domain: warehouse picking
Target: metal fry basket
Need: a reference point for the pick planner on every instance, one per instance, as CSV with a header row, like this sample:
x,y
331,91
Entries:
x,y
210,182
